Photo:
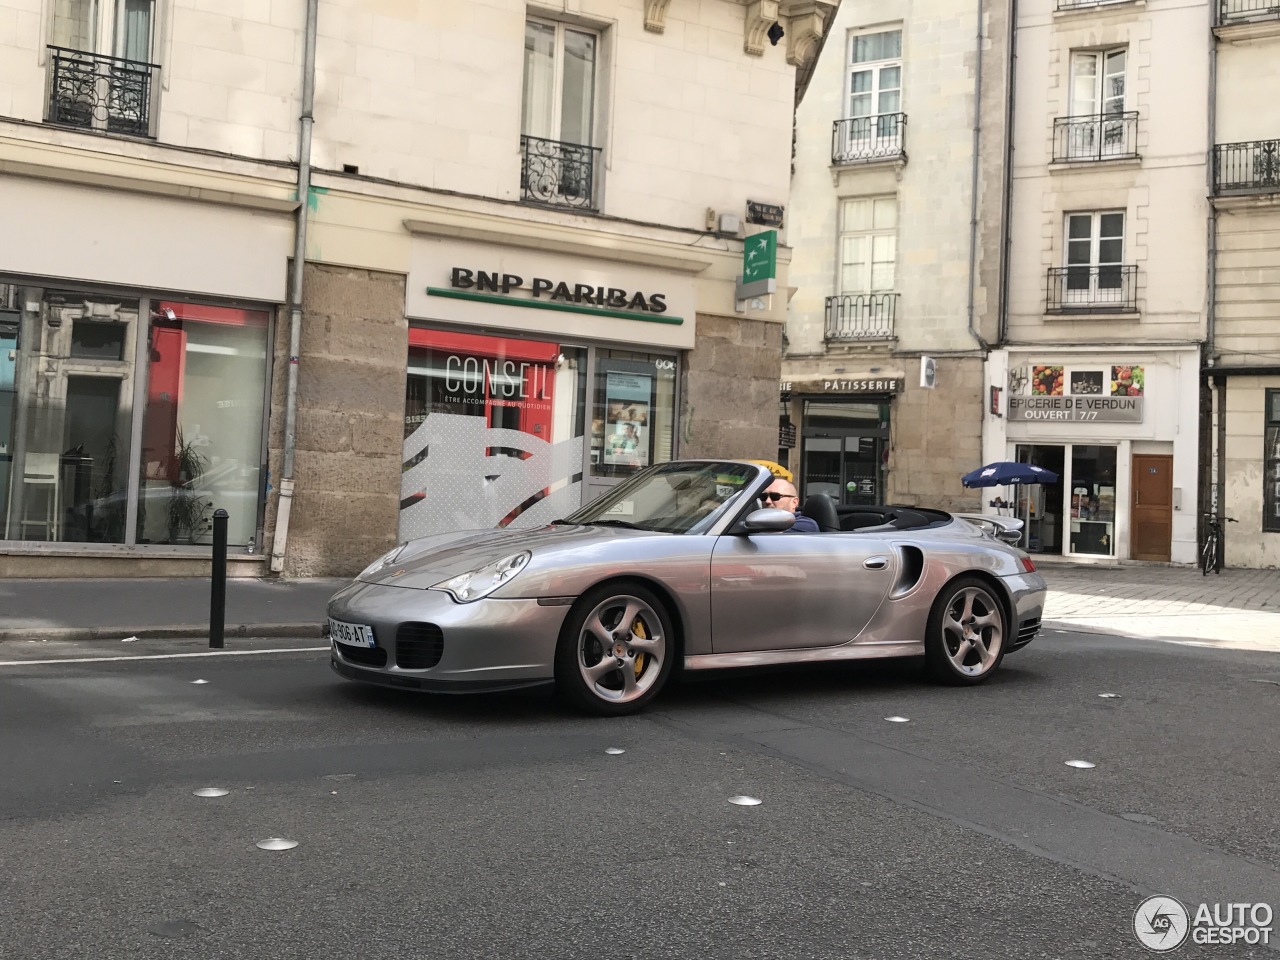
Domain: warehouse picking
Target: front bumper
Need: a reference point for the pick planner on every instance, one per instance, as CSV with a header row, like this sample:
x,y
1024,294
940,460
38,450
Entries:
x,y
486,645
1028,592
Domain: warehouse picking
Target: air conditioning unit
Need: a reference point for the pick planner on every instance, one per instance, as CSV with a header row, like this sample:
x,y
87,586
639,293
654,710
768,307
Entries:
x,y
928,372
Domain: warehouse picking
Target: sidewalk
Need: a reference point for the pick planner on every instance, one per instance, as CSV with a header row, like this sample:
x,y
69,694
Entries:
x,y
146,607
1238,608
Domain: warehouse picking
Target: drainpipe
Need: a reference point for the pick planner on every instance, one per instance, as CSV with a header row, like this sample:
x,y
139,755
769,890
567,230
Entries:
x,y
281,538
973,208
1217,424
1006,206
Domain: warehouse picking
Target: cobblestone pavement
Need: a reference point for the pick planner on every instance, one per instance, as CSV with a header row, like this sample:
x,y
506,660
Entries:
x,y
1237,608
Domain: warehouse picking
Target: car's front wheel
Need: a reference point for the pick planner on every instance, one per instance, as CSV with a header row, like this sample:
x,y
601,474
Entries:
x,y
615,650
966,632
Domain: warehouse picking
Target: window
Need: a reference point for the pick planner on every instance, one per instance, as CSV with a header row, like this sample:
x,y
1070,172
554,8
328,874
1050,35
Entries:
x,y
1098,127
1271,466
128,420
493,431
1095,271
202,424
873,124
558,114
101,64
633,416
868,245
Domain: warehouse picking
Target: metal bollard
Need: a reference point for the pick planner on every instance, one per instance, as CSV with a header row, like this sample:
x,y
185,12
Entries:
x,y
218,592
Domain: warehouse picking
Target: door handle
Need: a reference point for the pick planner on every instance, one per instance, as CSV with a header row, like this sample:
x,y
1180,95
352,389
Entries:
x,y
876,563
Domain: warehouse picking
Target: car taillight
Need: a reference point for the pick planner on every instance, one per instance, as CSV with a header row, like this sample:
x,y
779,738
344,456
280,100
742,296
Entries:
x,y
1028,564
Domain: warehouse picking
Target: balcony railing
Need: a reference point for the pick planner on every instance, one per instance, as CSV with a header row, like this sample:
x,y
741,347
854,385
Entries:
x,y
1111,136
1077,4
1109,288
1235,11
1252,167
861,316
556,173
862,139
97,92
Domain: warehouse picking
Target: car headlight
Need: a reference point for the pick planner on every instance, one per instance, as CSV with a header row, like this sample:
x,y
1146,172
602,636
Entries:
x,y
475,584
386,560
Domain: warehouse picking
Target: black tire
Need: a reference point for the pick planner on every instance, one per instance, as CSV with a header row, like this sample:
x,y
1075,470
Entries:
x,y
1206,557
583,675
961,606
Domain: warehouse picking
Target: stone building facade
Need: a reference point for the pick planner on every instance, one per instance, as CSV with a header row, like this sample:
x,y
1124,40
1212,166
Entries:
x,y
1097,377
517,282
896,228
1242,362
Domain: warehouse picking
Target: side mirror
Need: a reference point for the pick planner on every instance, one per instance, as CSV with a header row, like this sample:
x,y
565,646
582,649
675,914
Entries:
x,y
768,520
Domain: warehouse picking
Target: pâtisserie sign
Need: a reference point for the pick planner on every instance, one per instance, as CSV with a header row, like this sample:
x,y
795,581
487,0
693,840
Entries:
x,y
1077,409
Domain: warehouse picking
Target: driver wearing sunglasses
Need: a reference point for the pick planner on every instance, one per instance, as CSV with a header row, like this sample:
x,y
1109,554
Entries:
x,y
781,494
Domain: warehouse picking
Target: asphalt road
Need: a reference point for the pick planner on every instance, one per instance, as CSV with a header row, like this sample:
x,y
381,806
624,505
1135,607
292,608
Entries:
x,y
498,827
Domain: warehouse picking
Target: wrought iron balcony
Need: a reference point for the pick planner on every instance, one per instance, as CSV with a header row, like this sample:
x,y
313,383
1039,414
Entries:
x,y
1252,167
863,139
861,316
97,92
1077,4
1111,136
1089,288
1238,11
560,174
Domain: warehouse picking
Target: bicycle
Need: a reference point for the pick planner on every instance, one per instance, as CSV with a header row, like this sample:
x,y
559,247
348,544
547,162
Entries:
x,y
1211,554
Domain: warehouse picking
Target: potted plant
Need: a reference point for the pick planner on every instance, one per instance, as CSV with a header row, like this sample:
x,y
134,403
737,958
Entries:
x,y
187,509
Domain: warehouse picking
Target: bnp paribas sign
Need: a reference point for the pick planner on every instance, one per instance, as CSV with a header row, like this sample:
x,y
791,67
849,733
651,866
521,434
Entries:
x,y
1077,409
759,265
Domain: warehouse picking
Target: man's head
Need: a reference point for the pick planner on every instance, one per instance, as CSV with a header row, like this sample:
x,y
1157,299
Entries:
x,y
781,494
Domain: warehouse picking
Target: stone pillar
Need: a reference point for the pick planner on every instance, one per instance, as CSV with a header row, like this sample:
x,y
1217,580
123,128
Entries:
x,y
731,389
350,427
936,438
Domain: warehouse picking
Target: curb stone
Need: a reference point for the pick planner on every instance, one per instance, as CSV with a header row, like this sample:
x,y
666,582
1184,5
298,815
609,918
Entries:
x,y
176,632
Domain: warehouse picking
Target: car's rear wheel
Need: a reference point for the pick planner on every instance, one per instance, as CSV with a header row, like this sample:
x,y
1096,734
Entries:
x,y
966,632
615,650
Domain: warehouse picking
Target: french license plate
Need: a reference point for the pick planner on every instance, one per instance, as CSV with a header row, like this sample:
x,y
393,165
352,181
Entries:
x,y
352,634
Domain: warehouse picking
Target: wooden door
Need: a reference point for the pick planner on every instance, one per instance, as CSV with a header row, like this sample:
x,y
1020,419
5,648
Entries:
x,y
1151,519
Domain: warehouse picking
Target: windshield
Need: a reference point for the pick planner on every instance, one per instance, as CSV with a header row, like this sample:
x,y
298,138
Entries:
x,y
672,497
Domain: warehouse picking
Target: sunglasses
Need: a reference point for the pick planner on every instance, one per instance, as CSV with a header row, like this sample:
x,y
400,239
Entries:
x,y
772,496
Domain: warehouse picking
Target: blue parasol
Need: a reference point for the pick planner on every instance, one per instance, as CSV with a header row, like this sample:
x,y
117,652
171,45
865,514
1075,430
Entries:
x,y
1006,473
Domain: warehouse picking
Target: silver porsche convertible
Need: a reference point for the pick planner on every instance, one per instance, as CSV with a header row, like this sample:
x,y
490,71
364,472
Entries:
x,y
682,566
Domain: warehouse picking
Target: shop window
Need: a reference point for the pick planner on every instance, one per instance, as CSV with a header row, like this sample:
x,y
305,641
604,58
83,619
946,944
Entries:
x,y
1271,465
70,366
494,430
1093,499
65,414
202,426
845,451
633,415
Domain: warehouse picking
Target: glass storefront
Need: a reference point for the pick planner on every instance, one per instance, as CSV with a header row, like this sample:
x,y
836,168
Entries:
x,y
1081,521
844,451
505,431
98,388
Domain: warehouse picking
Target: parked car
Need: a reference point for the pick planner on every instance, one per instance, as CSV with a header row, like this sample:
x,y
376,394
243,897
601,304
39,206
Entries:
x,y
682,566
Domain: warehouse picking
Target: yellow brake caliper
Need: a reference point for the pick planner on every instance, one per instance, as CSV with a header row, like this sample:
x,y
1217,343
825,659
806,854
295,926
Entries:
x,y
638,627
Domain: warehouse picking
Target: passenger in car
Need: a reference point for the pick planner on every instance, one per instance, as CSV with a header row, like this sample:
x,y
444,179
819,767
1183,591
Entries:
x,y
782,494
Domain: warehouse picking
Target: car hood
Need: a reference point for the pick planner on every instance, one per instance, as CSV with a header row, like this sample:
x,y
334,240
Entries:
x,y
431,560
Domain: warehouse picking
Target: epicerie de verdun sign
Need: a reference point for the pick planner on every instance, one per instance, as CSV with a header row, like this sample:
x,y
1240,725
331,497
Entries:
x,y
1077,409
